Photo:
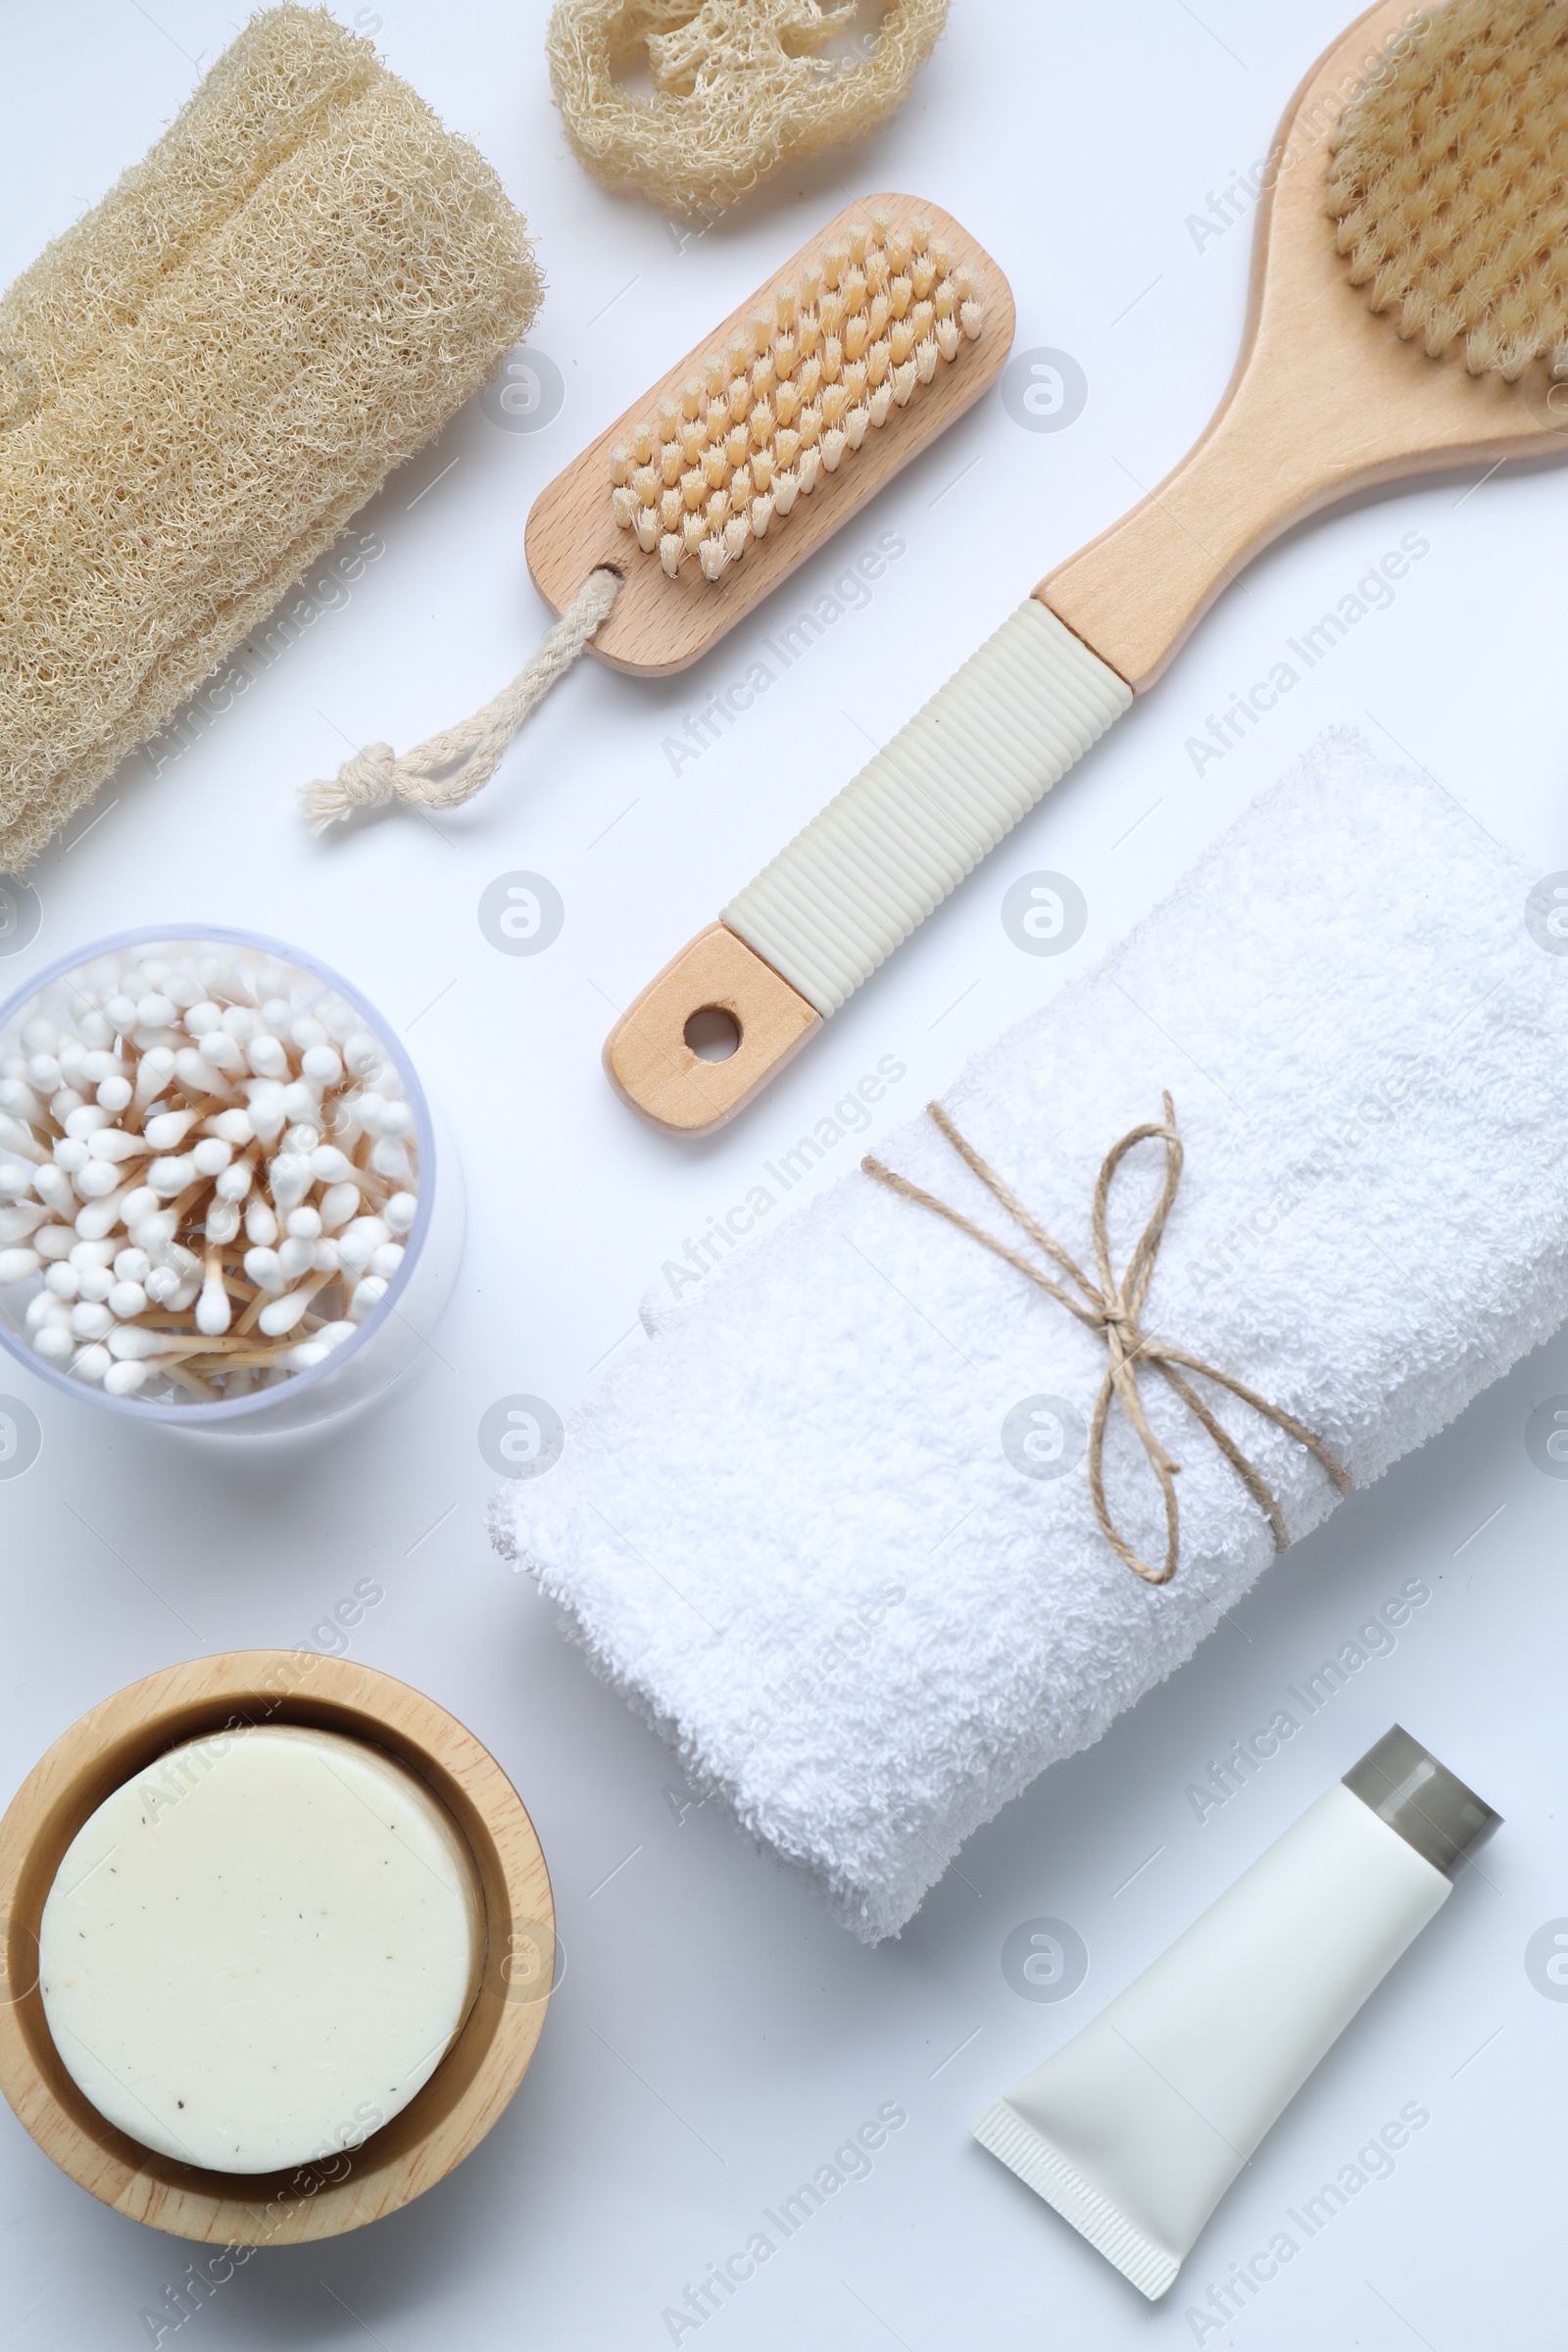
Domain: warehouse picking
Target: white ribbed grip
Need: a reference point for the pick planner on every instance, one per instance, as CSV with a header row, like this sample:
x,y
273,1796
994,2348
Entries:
x,y
856,881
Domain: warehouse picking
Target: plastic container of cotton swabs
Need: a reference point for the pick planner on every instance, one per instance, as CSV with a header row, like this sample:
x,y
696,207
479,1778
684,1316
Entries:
x,y
226,1201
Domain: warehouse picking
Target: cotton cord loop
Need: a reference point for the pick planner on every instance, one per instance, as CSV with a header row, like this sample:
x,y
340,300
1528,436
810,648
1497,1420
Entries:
x,y
472,751
1113,1307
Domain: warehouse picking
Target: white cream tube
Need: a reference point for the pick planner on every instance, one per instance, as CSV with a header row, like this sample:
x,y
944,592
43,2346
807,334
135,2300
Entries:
x,y
1138,2126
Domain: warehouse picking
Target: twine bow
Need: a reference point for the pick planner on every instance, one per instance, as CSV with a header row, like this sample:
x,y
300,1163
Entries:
x,y
1113,1307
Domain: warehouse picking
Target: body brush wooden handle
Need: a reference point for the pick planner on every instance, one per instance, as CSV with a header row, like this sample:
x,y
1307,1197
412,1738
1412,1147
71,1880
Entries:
x,y
730,472
1326,399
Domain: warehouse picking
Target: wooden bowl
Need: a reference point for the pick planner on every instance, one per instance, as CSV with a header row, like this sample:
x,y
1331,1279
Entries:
x,y
471,2086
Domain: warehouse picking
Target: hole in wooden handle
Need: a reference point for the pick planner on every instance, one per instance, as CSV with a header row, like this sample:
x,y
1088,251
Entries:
x,y
712,1034
667,1056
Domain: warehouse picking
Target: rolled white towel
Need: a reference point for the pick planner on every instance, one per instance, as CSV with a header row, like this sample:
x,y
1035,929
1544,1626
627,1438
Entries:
x,y
788,1529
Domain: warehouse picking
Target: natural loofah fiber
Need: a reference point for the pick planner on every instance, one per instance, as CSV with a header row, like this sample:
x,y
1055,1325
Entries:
x,y
737,89
204,379
1450,183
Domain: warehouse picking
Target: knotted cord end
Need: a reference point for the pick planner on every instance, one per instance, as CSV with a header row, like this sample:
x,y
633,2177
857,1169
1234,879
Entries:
x,y
368,781
472,750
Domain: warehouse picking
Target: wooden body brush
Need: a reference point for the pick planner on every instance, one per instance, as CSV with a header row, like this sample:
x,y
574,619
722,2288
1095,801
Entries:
x,y
731,470
1447,185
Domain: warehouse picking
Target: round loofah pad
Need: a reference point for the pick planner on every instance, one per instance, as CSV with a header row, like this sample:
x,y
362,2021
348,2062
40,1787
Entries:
x,y
1450,183
737,89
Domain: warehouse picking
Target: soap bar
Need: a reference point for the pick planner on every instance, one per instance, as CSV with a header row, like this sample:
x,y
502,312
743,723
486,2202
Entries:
x,y
259,1949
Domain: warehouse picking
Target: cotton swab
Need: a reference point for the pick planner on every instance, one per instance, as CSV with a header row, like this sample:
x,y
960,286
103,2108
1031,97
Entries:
x,y
207,1174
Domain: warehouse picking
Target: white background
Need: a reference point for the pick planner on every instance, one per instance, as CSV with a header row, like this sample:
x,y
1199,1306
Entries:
x,y
715,2038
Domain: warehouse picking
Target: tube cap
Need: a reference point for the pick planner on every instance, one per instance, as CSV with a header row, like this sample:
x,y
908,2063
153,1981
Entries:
x,y
1429,1805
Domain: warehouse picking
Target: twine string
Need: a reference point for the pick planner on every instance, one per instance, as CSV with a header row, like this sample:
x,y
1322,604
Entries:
x,y
1113,1307
472,751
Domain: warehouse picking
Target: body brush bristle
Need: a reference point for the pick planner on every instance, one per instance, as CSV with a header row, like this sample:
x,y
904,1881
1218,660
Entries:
x,y
1450,183
825,360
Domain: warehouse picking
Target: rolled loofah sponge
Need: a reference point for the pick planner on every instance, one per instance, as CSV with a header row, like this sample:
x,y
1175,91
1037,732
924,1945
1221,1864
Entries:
x,y
1449,184
204,379
737,90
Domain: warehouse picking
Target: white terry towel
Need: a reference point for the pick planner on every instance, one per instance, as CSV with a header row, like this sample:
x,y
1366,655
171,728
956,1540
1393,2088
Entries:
x,y
787,1527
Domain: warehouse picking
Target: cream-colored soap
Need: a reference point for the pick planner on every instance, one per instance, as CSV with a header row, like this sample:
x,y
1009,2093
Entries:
x,y
259,1949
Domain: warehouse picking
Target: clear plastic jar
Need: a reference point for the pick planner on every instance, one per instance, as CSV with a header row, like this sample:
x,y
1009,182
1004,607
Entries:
x,y
390,1338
